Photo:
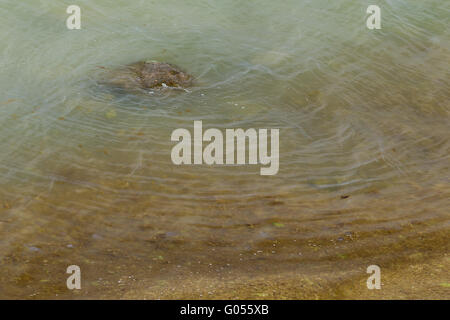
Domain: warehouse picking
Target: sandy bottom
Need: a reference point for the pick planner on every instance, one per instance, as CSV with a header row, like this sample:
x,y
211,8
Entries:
x,y
410,279
420,273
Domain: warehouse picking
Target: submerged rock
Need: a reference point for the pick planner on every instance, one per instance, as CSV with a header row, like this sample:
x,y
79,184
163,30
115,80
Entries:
x,y
148,75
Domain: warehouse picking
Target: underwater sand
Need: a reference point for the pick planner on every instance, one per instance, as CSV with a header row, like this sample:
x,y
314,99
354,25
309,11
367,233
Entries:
x,y
86,176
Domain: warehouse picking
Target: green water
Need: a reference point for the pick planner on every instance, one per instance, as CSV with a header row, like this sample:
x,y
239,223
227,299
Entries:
x,y
86,176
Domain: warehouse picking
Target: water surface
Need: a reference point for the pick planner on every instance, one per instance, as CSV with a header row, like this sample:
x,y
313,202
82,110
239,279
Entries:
x,y
86,176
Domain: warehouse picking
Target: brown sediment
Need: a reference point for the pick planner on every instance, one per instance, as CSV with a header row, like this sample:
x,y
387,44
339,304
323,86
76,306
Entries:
x,y
420,273
420,280
145,251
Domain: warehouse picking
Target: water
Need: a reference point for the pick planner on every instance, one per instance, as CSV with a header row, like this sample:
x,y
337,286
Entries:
x,y
86,176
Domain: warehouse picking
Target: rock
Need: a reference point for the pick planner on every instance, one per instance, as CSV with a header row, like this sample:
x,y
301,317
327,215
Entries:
x,y
148,75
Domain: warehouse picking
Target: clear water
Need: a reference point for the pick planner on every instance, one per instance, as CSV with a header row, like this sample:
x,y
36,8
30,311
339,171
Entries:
x,y
86,176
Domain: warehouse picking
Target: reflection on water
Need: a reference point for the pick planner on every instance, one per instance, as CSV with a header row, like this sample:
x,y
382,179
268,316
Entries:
x,y
86,176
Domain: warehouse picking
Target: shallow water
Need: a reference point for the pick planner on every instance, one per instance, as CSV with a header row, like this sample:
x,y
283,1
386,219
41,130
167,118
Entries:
x,y
86,176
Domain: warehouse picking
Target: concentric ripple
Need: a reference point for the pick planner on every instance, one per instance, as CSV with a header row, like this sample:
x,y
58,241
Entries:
x,y
86,176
